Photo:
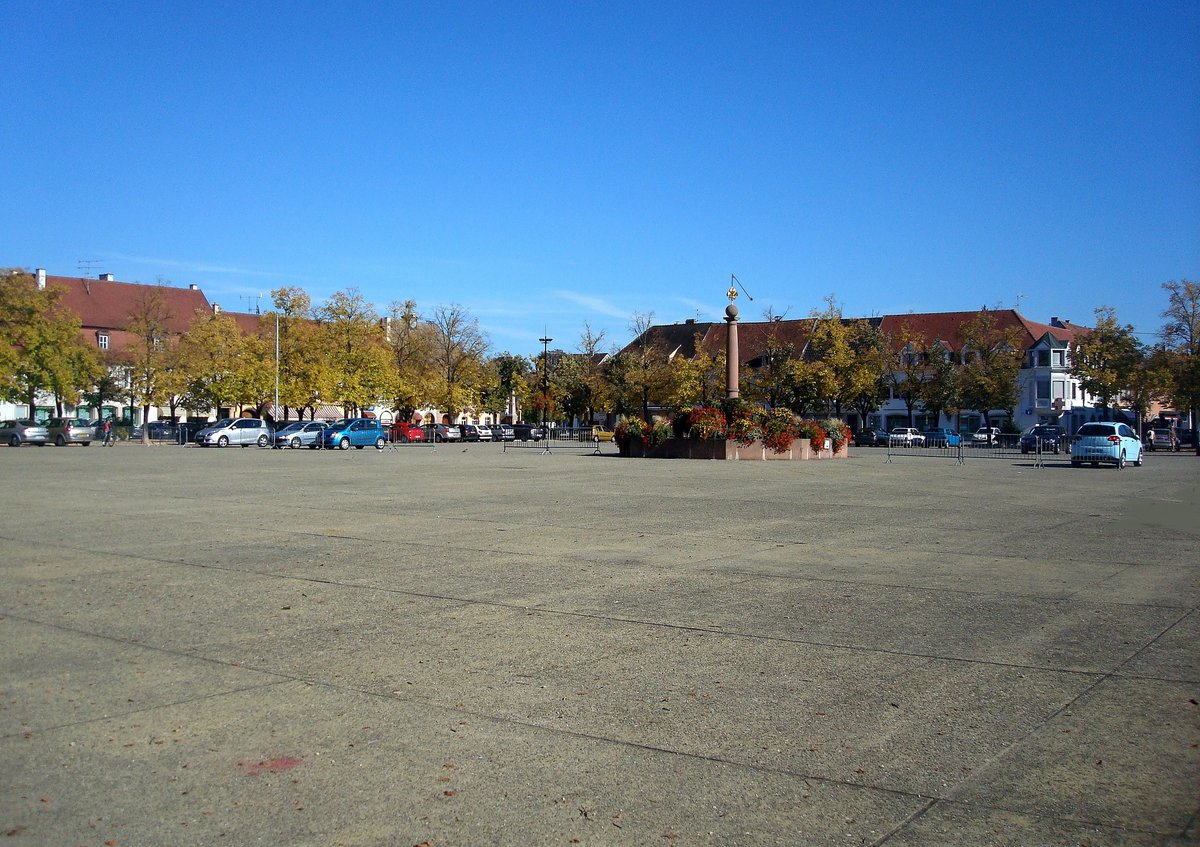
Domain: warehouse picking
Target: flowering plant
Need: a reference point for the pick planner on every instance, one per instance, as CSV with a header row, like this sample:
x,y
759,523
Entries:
x,y
659,432
813,431
778,430
707,422
744,430
837,431
629,430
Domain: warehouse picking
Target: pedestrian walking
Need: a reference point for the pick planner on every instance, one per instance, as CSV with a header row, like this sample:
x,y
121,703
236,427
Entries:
x,y
108,432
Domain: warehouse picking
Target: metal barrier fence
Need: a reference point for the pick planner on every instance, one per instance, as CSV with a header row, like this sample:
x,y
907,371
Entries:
x,y
558,438
1011,447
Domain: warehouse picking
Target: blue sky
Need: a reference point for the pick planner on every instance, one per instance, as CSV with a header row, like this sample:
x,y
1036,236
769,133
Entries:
x,y
547,164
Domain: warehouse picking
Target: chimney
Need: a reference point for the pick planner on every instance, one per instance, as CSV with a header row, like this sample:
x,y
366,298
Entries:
x,y
106,277
41,279
690,321
1054,321
193,287
216,308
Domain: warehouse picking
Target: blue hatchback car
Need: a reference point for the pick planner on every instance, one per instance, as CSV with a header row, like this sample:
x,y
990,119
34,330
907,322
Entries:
x,y
1106,442
354,432
942,437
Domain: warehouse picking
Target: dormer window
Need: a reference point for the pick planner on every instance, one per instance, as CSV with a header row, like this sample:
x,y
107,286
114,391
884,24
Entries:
x,y
102,340
1043,358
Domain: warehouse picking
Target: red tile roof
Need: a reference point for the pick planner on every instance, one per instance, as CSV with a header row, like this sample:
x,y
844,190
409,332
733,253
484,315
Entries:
x,y
103,304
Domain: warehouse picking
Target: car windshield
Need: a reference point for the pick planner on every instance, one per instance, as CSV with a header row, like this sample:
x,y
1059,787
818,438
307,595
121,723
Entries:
x,y
1102,430
292,427
344,422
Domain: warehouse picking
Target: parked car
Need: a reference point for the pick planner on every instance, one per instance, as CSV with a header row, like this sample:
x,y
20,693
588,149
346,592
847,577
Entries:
x,y
442,432
64,431
986,436
599,433
300,434
503,432
1106,442
1044,438
1165,439
240,431
16,433
354,432
942,436
470,432
870,438
485,432
527,432
404,432
905,436
159,431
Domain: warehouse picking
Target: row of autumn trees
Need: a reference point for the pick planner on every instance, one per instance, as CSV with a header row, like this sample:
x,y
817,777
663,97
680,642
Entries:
x,y
340,353
844,366
344,353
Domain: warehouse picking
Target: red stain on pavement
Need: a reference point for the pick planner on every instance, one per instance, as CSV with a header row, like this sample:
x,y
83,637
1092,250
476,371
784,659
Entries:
x,y
277,765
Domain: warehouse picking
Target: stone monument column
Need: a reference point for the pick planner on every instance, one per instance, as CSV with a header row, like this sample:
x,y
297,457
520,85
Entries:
x,y
731,347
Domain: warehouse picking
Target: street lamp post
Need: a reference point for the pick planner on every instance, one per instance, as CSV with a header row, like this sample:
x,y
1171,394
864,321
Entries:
x,y
545,381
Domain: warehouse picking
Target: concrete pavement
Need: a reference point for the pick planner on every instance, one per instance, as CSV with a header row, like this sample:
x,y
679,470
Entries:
x,y
459,648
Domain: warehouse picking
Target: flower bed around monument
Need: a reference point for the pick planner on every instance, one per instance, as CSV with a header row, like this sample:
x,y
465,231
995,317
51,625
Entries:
x,y
749,433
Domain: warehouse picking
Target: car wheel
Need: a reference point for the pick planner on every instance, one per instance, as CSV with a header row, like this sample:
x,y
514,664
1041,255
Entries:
x,y
295,442
1121,461
379,443
86,443
262,441
437,438
223,441
60,442
14,441
344,444
1137,463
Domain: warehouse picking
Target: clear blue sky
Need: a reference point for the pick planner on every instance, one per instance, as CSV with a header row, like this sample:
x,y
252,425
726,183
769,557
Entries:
x,y
547,164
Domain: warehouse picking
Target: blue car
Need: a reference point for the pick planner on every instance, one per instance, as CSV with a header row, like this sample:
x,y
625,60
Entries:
x,y
1106,442
354,432
942,437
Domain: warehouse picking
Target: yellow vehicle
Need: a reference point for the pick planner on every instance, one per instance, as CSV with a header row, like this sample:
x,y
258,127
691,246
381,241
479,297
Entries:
x,y
602,434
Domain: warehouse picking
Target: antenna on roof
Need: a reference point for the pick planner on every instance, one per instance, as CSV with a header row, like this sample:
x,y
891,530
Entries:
x,y
1017,307
255,298
733,279
88,265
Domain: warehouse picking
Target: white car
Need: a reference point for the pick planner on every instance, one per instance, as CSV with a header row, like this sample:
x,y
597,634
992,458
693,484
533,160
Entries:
x,y
986,436
906,436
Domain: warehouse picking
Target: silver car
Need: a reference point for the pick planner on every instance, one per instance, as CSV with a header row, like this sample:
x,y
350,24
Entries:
x,y
240,431
16,433
442,432
64,431
300,434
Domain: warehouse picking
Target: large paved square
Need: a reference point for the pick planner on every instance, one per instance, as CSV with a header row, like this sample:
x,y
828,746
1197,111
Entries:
x,y
484,647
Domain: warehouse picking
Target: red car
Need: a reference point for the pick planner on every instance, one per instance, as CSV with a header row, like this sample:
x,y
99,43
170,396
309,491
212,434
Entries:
x,y
407,432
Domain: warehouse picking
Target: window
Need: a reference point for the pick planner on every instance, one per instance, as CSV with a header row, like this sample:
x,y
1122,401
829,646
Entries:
x,y
1058,357
1043,388
102,340
1043,358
